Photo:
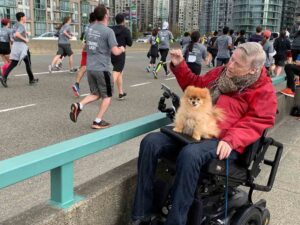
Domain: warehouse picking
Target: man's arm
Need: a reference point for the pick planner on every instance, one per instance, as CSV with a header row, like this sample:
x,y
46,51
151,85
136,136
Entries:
x,y
18,35
260,116
128,38
185,77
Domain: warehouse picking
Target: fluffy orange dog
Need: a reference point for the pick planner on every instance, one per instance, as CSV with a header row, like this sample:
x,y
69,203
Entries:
x,y
196,116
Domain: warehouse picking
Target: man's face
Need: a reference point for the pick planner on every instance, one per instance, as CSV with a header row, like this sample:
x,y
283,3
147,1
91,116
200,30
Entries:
x,y
237,66
23,19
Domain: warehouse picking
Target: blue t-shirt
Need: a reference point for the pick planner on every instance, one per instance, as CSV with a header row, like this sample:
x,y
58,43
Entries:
x,y
298,58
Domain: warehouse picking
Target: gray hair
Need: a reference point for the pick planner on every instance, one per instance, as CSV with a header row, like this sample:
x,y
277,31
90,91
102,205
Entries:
x,y
253,51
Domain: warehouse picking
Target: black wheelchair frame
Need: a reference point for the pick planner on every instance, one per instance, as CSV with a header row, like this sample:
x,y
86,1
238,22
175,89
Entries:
x,y
209,206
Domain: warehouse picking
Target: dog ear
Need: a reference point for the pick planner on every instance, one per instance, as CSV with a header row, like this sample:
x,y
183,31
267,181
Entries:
x,y
205,91
188,88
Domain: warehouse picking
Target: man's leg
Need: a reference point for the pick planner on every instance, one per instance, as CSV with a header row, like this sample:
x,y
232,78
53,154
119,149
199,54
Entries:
x,y
188,166
152,147
118,79
71,62
28,68
103,107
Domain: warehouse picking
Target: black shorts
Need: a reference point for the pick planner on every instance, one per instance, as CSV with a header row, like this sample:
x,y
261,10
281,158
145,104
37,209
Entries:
x,y
4,48
118,62
101,83
64,50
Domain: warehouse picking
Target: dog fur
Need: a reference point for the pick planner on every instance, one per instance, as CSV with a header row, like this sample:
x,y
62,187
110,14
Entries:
x,y
196,116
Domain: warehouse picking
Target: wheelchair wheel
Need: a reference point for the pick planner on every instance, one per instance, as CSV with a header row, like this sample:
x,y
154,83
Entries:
x,y
266,217
248,216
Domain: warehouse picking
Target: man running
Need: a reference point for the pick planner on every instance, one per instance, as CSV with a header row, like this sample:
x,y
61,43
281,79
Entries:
x,y
123,38
101,41
164,38
20,50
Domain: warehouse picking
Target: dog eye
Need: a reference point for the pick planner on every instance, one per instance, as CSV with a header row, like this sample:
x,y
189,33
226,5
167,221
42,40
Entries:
x,y
191,99
198,99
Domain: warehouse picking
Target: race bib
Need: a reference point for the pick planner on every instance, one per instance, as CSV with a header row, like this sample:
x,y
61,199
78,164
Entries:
x,y
191,58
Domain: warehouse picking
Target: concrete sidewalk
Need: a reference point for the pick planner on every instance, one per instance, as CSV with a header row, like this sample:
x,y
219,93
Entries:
x,y
284,199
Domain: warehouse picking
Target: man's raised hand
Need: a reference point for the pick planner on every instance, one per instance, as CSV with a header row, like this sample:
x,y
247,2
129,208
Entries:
x,y
176,56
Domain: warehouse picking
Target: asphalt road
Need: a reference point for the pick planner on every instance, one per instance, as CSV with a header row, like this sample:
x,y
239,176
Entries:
x,y
32,117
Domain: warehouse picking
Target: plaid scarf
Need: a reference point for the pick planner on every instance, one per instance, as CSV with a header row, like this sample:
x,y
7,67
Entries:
x,y
225,84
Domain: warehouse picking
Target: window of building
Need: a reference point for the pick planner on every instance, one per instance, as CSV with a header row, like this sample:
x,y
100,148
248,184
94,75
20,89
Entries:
x,y
40,28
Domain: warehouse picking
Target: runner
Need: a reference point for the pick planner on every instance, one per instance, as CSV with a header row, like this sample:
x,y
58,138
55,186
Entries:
x,y
101,41
123,38
5,41
194,53
64,46
153,51
82,70
20,50
164,38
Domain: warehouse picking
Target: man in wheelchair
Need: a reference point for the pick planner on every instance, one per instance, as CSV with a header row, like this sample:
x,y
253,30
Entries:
x,y
245,93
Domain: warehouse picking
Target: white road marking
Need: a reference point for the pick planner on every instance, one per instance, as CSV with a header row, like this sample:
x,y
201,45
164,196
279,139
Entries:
x,y
40,73
15,108
84,95
171,78
136,85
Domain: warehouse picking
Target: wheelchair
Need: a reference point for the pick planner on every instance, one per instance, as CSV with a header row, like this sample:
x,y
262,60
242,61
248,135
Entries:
x,y
219,198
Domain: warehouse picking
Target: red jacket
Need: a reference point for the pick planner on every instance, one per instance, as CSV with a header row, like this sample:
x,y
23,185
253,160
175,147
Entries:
x,y
248,113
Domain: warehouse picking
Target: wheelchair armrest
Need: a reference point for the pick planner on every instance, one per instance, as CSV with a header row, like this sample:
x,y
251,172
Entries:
x,y
183,138
273,164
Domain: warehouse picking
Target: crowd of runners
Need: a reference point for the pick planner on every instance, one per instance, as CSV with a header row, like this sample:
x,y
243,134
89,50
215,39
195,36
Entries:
x,y
103,46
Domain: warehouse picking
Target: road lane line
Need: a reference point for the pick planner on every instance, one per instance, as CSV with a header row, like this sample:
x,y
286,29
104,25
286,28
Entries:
x,y
40,73
83,95
15,108
171,78
136,85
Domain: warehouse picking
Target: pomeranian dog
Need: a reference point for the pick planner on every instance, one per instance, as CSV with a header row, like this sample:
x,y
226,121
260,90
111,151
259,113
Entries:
x,y
196,116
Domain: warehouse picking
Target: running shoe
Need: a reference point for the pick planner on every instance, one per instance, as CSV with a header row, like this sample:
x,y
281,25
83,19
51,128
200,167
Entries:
x,y
3,81
73,70
33,81
60,65
76,89
75,110
154,74
288,92
101,125
50,68
168,73
122,96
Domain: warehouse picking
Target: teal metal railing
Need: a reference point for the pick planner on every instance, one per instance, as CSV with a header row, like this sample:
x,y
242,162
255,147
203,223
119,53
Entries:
x,y
59,158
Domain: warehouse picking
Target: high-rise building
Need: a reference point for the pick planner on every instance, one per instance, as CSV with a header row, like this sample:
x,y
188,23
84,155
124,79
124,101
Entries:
x,y
288,14
174,15
215,15
160,12
145,14
46,15
248,14
189,15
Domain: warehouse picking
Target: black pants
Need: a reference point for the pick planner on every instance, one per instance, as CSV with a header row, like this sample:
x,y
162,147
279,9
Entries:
x,y
163,58
222,61
291,70
195,68
14,63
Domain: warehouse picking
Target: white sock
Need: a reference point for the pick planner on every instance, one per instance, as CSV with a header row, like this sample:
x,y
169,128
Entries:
x,y
80,106
97,120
